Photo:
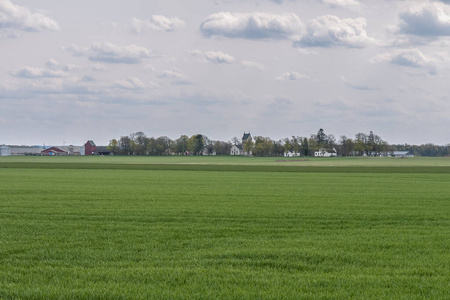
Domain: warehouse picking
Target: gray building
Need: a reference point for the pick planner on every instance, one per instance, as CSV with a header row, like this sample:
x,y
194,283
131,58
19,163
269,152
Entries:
x,y
5,151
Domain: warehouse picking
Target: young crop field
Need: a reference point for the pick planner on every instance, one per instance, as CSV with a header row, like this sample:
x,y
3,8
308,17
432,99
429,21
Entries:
x,y
124,228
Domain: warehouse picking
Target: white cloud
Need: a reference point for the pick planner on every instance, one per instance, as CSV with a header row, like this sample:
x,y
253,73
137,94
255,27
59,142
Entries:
x,y
52,64
30,72
431,19
173,74
157,22
131,83
99,67
252,25
330,31
408,58
14,18
307,51
219,57
176,76
291,76
70,67
59,86
110,53
351,4
216,57
252,64
358,86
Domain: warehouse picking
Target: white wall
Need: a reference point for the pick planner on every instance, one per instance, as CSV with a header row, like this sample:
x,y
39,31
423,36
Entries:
x,y
5,151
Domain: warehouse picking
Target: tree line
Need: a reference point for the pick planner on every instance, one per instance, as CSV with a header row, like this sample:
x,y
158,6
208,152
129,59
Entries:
x,y
362,144
139,144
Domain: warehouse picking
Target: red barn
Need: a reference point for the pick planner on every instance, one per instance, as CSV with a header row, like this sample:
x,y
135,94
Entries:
x,y
89,148
53,151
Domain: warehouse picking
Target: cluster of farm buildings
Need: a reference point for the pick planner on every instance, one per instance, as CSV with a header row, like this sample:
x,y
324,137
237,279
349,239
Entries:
x,y
89,148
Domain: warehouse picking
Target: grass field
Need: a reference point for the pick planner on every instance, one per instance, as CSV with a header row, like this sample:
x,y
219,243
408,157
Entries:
x,y
235,161
123,229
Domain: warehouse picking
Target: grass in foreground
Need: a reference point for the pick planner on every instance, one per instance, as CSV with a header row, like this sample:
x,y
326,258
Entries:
x,y
233,161
195,234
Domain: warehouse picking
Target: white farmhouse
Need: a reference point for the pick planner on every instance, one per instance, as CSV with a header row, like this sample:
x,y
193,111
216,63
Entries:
x,y
402,154
237,150
291,153
325,153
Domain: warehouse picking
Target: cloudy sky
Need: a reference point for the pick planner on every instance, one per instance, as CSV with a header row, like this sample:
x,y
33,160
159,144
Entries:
x,y
77,70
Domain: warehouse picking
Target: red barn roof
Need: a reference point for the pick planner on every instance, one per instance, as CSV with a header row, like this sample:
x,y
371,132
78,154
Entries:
x,y
53,150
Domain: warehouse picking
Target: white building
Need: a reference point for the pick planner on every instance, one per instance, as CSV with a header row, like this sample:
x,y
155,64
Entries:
x,y
292,154
402,154
237,150
5,151
23,150
325,153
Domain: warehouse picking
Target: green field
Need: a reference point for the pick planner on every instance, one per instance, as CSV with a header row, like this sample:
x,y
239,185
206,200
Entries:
x,y
235,161
227,228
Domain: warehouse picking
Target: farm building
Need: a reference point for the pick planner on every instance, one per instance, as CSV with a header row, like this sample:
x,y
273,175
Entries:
x,y
5,151
402,154
325,153
22,150
102,150
238,149
54,151
291,154
89,148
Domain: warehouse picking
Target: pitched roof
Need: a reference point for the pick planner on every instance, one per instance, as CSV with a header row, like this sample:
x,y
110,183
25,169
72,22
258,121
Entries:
x,y
246,136
91,143
53,150
239,146
102,149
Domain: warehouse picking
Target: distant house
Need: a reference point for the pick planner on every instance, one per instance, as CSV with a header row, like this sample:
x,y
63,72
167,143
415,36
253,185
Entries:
x,y
209,152
325,152
5,151
238,149
402,154
89,148
292,154
54,151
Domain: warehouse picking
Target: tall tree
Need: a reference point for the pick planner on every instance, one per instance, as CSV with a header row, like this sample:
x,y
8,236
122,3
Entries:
x,y
248,146
152,146
305,147
197,144
222,148
343,143
296,144
321,138
361,143
125,145
140,143
113,146
288,146
182,144
209,148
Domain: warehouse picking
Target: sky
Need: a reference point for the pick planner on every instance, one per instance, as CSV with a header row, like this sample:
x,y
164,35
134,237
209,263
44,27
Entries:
x,y
73,71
